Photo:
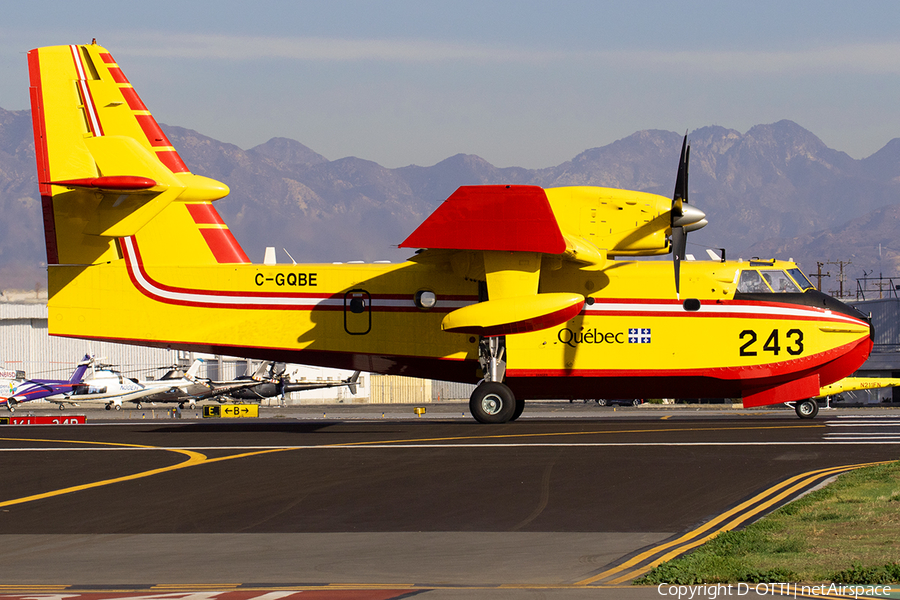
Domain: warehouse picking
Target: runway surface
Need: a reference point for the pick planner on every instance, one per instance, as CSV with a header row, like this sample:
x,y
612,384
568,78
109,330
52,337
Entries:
x,y
568,501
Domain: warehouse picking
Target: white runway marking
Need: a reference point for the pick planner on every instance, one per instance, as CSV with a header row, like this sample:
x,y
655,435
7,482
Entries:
x,y
400,445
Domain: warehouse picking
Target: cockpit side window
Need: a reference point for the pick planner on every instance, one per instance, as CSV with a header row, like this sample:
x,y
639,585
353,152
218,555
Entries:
x,y
801,279
780,282
752,283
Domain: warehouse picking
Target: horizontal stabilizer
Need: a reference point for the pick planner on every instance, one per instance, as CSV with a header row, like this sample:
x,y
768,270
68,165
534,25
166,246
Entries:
x,y
520,314
513,218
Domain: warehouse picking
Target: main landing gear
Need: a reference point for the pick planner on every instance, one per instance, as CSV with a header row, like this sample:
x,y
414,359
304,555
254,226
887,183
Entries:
x,y
493,401
807,409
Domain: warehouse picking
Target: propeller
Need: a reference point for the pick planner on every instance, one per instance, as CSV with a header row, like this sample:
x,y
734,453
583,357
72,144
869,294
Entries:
x,y
685,218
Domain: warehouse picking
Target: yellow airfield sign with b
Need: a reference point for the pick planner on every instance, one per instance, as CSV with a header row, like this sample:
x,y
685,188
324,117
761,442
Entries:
x,y
231,411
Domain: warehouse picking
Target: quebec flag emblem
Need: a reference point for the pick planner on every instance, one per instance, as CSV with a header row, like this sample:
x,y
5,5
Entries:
x,y
639,336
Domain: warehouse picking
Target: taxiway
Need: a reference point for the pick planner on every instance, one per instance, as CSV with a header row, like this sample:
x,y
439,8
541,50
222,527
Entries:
x,y
575,503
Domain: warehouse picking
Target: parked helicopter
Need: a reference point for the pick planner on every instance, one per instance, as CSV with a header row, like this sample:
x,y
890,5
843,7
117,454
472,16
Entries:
x,y
109,387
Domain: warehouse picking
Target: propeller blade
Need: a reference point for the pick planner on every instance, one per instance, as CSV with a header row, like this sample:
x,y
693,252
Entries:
x,y
679,248
681,180
679,211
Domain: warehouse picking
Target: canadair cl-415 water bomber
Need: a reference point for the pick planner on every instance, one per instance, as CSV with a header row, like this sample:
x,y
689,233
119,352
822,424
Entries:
x,y
534,293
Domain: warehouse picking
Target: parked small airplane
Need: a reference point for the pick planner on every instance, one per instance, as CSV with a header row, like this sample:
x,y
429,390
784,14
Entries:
x,y
533,292
810,407
34,389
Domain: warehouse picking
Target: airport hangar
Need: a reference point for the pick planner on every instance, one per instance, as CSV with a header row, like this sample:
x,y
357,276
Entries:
x,y
26,346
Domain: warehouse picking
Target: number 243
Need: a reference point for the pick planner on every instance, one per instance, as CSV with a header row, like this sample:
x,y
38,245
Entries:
x,y
794,340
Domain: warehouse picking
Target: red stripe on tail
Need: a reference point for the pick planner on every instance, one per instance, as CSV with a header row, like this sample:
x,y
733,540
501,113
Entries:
x,y
43,161
224,247
205,214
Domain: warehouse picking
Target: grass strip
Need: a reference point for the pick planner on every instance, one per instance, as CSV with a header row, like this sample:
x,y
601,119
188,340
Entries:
x,y
846,532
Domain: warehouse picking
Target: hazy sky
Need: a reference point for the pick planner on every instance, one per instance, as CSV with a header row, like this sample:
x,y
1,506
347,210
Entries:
x,y
523,83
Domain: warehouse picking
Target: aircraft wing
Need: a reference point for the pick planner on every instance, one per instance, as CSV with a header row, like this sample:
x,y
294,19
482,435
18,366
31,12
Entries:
x,y
505,235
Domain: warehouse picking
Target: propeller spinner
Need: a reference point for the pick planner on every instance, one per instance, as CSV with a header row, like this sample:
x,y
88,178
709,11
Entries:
x,y
685,218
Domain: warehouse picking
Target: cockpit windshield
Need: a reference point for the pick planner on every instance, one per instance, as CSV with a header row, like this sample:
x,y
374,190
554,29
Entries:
x,y
751,282
801,279
768,281
780,282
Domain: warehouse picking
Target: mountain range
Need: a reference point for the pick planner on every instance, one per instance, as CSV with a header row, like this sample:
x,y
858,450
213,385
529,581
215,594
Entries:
x,y
775,191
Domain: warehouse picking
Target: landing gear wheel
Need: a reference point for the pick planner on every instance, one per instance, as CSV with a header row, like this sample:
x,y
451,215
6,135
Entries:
x,y
601,401
520,408
118,407
492,402
636,402
108,407
807,409
139,406
12,409
62,407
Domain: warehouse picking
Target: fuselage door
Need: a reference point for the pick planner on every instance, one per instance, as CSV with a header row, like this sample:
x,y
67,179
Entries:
x,y
357,312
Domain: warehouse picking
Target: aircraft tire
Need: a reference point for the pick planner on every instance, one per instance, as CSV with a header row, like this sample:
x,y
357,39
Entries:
x,y
520,408
12,409
807,409
601,402
108,407
62,407
139,406
492,402
118,407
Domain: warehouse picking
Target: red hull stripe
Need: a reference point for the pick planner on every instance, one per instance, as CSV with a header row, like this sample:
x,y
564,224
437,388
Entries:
x,y
264,300
719,309
224,247
749,373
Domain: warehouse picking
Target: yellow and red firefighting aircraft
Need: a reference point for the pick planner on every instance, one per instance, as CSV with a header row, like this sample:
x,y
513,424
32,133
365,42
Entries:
x,y
534,292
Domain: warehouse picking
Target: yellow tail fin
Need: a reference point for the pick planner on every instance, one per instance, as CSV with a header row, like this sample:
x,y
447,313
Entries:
x,y
107,171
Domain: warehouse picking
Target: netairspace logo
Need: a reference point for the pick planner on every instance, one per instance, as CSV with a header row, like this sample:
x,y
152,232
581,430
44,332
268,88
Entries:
x,y
780,590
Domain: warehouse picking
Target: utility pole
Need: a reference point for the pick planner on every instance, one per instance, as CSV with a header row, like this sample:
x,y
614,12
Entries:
x,y
820,275
840,264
